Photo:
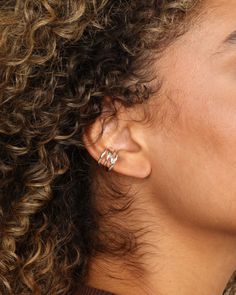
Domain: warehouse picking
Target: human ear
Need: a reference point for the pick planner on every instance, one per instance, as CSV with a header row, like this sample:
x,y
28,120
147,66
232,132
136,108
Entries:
x,y
124,135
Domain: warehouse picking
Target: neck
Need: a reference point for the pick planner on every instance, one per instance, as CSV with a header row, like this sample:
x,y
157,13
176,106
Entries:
x,y
179,259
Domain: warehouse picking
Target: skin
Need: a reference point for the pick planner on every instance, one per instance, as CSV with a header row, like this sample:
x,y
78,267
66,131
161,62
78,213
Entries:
x,y
184,169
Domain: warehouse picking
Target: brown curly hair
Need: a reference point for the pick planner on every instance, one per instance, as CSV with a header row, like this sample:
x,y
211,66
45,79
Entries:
x,y
58,60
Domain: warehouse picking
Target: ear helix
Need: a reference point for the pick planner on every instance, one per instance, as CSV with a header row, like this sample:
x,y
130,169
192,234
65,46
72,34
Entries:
x,y
108,158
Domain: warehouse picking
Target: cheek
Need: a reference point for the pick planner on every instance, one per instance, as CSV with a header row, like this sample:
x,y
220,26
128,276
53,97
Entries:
x,y
195,160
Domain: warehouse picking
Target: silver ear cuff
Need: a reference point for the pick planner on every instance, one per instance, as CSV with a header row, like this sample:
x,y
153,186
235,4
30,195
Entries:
x,y
108,158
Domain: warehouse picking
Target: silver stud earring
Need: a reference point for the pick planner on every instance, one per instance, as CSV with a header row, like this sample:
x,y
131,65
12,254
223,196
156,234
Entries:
x,y
108,158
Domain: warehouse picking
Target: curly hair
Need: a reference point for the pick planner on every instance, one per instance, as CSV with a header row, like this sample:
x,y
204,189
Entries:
x,y
58,61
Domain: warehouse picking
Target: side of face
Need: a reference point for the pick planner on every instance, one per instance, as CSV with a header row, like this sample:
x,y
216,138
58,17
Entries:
x,y
194,156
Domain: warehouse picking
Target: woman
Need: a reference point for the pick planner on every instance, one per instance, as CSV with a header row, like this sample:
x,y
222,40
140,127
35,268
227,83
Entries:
x,y
117,147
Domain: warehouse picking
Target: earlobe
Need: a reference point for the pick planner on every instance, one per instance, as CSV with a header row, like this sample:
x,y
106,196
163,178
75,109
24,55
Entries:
x,y
112,144
133,164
